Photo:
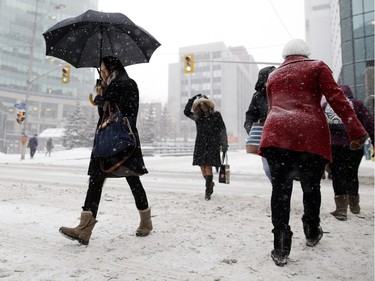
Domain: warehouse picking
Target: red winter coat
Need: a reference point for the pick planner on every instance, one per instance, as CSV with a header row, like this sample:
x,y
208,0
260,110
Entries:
x,y
296,120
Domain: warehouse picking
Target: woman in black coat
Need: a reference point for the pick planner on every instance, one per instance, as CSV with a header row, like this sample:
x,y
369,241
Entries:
x,y
258,108
211,137
122,91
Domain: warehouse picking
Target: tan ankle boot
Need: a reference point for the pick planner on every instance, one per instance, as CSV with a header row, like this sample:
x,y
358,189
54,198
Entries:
x,y
354,204
341,202
82,232
145,226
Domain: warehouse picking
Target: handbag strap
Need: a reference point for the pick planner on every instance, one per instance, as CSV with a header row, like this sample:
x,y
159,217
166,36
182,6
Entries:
x,y
107,107
224,158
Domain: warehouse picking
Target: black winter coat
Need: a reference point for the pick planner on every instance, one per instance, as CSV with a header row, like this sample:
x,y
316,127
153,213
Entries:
x,y
122,91
258,108
211,136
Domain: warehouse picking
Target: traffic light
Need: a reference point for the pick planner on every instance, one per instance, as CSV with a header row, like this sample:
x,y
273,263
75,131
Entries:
x,y
189,63
65,78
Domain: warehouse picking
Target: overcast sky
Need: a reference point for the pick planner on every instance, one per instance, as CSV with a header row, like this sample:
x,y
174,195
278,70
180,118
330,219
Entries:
x,y
261,26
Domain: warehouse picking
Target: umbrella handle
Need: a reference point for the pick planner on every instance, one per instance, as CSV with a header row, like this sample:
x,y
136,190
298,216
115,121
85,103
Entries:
x,y
92,100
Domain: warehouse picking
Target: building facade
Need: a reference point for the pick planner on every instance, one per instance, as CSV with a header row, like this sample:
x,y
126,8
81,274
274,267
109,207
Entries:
x,y
349,26
222,73
23,59
357,45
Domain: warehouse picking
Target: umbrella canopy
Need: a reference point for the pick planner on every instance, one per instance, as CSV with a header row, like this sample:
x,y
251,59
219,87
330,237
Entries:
x,y
84,40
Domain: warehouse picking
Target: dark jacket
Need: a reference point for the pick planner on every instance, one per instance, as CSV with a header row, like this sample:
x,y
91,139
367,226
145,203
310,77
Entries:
x,y
339,136
211,134
33,143
122,91
258,107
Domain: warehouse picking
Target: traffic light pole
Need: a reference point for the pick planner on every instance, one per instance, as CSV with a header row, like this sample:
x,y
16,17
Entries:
x,y
24,124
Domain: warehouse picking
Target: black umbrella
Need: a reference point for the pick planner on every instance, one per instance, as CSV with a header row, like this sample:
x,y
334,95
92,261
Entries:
x,y
84,40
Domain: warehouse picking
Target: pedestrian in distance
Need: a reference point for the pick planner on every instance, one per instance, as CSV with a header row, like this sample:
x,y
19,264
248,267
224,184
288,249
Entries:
x,y
296,138
210,139
345,162
33,144
122,91
258,108
49,147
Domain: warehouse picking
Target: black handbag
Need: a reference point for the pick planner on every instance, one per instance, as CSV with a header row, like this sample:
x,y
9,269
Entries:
x,y
224,173
114,135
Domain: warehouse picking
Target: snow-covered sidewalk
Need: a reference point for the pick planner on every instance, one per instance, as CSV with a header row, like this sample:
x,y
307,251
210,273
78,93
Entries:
x,y
228,238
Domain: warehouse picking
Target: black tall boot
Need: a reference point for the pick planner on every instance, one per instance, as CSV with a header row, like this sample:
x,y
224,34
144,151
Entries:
x,y
282,244
313,232
209,187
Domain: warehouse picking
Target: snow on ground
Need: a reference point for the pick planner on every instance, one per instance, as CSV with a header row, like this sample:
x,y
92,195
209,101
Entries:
x,y
226,239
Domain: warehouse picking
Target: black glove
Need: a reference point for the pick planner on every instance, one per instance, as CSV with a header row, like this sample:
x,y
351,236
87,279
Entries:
x,y
197,96
224,149
99,100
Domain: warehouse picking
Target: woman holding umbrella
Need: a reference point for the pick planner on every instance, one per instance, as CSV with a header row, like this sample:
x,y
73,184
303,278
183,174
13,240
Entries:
x,y
121,91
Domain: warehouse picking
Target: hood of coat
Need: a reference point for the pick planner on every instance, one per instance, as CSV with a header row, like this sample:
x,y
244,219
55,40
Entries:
x,y
262,78
347,91
296,47
203,100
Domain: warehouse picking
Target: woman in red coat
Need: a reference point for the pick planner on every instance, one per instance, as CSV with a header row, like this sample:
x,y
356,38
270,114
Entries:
x,y
296,138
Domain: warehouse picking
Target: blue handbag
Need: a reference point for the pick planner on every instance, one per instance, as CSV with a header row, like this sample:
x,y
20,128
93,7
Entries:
x,y
114,136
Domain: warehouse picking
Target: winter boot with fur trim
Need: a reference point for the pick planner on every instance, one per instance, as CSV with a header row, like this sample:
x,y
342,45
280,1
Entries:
x,y
82,232
354,204
209,187
341,202
145,225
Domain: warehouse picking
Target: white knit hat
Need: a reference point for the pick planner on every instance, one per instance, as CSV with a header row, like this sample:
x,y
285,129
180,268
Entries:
x,y
296,47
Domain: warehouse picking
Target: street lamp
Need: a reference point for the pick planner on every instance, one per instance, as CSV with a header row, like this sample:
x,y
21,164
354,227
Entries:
x,y
30,73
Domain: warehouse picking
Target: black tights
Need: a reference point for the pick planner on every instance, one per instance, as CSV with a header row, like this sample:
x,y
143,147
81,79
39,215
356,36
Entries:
x,y
344,170
284,164
94,193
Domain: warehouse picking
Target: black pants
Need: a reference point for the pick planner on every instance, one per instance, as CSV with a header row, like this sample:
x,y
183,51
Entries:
x,y
32,152
94,193
344,170
284,164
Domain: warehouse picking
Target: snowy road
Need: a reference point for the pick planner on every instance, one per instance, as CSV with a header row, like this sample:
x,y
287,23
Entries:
x,y
226,239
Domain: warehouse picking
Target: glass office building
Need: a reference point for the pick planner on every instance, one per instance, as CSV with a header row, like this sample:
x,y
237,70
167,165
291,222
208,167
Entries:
x,y
22,59
357,45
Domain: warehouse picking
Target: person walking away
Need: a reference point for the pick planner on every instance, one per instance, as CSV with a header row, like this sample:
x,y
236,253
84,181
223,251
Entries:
x,y
49,147
296,138
258,108
211,137
345,162
122,92
33,144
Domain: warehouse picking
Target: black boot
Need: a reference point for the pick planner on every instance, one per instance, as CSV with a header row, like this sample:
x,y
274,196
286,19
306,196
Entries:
x,y
209,187
313,233
282,244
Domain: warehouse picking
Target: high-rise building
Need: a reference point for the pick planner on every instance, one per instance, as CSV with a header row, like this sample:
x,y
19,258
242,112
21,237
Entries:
x,y
224,74
357,45
317,19
22,59
349,26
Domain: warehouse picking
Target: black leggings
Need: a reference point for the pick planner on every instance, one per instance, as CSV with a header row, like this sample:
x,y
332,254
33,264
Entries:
x,y
94,193
344,170
284,166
